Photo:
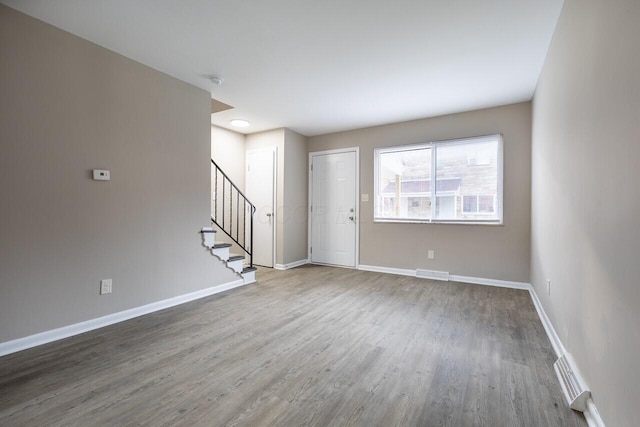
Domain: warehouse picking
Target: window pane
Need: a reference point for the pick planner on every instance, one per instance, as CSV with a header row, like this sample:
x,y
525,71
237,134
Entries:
x,y
485,204
404,184
469,204
469,170
446,207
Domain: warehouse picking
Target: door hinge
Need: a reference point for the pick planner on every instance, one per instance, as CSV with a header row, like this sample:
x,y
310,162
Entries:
x,y
311,250
311,167
311,208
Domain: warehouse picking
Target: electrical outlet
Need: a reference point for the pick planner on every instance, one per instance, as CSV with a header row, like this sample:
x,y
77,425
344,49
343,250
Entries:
x,y
548,287
106,286
101,175
431,254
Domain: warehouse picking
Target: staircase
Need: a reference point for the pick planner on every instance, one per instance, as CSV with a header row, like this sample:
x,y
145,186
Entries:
x,y
232,213
233,261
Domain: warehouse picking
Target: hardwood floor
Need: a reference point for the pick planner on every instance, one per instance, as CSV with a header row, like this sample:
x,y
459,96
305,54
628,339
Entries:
x,y
314,346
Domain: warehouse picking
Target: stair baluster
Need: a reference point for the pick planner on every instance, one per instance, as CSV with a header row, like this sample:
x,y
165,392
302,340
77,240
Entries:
x,y
218,218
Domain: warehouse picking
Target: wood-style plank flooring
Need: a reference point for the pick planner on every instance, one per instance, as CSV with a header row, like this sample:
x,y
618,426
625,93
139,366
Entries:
x,y
312,346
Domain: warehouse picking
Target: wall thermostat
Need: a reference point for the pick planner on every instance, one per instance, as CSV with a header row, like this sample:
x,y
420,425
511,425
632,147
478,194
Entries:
x,y
101,175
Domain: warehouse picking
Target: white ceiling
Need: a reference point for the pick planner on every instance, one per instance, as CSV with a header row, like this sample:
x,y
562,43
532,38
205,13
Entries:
x,y
325,66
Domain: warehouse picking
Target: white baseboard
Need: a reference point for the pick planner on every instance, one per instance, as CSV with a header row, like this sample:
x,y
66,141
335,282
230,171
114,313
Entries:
x,y
490,282
100,322
557,345
389,270
592,415
291,264
452,278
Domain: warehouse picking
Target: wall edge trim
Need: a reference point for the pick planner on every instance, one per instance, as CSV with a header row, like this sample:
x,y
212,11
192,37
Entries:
x,y
556,343
52,335
591,414
490,282
291,264
452,277
388,270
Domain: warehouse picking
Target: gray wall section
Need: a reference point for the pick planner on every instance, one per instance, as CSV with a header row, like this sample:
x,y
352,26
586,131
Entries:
x,y
69,106
586,203
485,251
294,211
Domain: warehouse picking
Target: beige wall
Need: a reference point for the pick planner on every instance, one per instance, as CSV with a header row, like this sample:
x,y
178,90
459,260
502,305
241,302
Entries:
x,y
586,203
69,106
294,211
228,151
492,252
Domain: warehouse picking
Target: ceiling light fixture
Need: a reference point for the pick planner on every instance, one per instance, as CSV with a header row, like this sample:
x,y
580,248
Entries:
x,y
240,123
216,80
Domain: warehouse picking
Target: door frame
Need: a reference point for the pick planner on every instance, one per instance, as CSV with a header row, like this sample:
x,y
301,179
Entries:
x,y
274,150
355,150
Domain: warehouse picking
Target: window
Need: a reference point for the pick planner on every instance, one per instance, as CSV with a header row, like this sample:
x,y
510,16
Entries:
x,y
478,204
468,182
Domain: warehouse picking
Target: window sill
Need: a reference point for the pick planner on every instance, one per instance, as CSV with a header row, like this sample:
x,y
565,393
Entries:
x,y
445,222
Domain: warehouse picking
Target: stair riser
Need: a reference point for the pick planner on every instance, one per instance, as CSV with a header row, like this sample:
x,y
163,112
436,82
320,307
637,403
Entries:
x,y
249,277
236,265
222,253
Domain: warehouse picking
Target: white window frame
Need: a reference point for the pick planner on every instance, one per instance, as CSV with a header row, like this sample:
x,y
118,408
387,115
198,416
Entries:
x,y
433,145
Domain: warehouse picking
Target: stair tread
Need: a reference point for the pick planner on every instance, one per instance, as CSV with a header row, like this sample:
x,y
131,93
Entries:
x,y
248,269
218,245
235,257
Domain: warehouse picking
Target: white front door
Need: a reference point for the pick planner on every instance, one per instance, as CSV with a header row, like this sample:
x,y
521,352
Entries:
x,y
334,199
261,178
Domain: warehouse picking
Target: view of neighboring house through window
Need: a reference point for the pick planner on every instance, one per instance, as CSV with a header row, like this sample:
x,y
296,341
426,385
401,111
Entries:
x,y
467,175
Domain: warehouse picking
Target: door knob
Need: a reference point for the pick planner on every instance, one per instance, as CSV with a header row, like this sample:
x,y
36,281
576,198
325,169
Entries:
x,y
352,218
269,214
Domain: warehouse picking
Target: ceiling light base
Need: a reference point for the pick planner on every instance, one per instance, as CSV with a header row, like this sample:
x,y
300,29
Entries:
x,y
216,80
240,123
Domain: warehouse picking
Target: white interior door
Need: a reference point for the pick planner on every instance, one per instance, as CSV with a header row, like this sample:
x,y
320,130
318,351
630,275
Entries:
x,y
260,185
334,208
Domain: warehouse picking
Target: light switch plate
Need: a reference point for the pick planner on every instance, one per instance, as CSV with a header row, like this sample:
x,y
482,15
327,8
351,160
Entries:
x,y
365,197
